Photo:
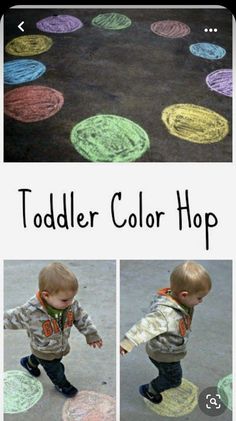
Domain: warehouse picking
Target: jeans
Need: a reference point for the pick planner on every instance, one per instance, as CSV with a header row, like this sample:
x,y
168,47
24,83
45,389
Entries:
x,y
54,369
170,375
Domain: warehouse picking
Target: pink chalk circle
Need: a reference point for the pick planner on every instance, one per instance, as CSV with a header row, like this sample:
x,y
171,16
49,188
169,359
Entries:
x,y
32,103
170,28
89,406
221,81
59,24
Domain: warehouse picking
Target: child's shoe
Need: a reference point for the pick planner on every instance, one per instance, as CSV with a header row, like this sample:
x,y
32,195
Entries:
x,y
143,390
34,371
69,391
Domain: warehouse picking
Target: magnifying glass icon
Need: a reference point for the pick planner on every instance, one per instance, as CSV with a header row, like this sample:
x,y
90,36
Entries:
x,y
213,401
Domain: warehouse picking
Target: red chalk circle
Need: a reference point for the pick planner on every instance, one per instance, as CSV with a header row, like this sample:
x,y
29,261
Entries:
x,y
89,406
170,28
32,103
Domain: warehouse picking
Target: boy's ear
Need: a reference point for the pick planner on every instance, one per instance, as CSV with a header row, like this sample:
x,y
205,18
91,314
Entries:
x,y
44,294
184,294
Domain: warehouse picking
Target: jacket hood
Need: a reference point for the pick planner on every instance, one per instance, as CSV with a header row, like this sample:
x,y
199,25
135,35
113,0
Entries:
x,y
164,298
37,302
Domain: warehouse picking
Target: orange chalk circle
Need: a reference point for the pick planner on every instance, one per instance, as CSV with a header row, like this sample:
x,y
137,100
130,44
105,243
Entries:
x,y
28,45
170,28
32,103
177,402
89,406
195,123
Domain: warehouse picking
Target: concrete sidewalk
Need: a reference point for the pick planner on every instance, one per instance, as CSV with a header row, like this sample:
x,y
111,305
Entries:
x,y
86,368
209,357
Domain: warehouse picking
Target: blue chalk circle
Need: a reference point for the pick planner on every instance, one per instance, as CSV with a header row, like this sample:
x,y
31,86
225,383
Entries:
x,y
207,50
22,71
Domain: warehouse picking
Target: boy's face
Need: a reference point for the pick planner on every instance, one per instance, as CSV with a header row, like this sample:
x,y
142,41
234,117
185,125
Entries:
x,y
59,300
192,299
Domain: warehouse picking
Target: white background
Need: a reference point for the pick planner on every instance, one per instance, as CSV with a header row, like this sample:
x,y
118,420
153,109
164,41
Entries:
x,y
211,189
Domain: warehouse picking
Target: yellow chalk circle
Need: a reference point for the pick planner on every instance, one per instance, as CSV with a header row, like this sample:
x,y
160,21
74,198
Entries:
x,y
28,45
194,123
177,402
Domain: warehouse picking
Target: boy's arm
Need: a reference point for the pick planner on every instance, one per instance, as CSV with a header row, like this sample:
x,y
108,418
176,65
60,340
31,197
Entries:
x,y
153,324
84,324
16,318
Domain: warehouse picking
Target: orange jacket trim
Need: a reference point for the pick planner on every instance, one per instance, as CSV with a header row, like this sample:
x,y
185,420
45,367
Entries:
x,y
47,328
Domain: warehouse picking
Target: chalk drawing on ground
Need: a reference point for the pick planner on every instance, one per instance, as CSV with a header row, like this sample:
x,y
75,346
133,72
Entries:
x,y
177,402
224,388
32,103
170,28
112,21
194,123
21,391
22,71
59,24
88,405
221,81
207,50
109,138
28,45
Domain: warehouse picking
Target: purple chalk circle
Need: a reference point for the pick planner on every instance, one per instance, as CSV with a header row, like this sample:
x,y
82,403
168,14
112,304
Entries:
x,y
59,24
170,28
221,81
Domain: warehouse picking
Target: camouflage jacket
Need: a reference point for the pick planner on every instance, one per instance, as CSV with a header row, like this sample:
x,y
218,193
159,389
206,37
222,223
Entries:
x,y
47,340
165,330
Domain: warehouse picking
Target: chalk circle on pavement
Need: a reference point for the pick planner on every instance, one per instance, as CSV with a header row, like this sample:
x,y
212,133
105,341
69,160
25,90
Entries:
x,y
89,405
207,51
195,123
224,388
177,402
32,103
221,81
21,391
112,21
109,138
59,24
170,28
22,71
28,45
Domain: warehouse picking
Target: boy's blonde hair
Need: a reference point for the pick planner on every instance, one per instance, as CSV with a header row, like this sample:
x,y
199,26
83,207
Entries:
x,y
191,277
57,277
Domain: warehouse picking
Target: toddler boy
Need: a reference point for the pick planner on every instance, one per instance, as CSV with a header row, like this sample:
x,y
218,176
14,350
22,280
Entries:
x,y
166,328
48,318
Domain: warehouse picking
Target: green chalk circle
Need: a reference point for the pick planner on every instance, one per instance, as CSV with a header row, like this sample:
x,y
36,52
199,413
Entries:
x,y
113,21
224,388
109,138
21,391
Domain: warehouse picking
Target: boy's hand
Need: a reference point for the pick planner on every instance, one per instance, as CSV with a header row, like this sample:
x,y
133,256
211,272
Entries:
x,y
96,344
123,351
